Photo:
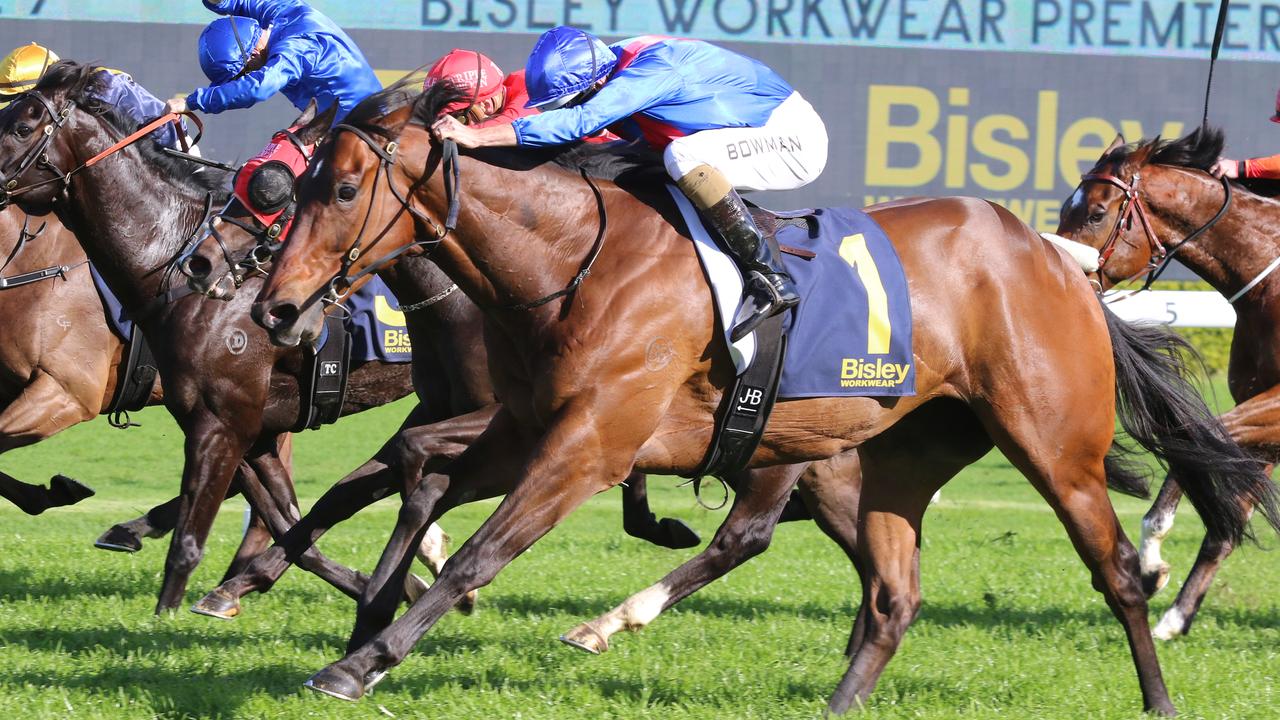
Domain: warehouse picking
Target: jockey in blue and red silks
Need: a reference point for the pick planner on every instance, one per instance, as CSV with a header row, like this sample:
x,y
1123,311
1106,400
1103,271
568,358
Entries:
x,y
723,122
266,47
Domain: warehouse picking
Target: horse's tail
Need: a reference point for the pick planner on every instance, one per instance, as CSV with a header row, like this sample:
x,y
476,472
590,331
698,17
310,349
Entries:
x,y
1162,411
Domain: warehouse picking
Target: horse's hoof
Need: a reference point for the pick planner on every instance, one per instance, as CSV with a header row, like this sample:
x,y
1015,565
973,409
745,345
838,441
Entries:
x,y
372,679
118,539
677,535
467,604
585,637
414,588
1172,625
1154,582
337,683
217,604
65,491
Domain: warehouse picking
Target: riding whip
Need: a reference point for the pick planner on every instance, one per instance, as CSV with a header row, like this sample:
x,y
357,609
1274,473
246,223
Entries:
x,y
1213,57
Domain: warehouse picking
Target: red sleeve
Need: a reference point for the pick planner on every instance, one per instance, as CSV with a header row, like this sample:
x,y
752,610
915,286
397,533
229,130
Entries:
x,y
1267,167
517,96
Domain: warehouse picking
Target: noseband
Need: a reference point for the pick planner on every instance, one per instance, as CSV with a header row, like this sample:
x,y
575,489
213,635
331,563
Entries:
x,y
1133,206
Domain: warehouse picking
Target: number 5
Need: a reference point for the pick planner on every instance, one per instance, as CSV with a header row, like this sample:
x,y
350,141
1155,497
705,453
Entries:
x,y
853,250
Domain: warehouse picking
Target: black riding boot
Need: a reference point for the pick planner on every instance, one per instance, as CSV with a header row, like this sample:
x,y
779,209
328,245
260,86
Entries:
x,y
768,289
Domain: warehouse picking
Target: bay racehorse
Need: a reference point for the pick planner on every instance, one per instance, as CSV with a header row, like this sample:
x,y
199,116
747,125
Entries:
x,y
234,395
58,357
1144,203
1031,356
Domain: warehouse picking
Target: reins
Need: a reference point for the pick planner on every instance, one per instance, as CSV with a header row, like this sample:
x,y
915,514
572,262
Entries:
x,y
27,278
39,155
341,283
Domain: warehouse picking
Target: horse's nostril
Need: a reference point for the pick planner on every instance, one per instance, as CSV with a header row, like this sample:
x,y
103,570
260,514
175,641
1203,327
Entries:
x,y
197,267
282,314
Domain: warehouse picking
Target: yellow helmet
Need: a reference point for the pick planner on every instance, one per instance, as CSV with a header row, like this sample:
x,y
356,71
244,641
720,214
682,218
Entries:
x,y
22,68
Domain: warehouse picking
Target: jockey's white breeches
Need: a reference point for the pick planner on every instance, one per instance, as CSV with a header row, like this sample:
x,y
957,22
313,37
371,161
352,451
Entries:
x,y
787,152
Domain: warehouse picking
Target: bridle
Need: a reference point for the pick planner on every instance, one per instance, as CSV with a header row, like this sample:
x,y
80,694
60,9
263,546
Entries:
x,y
1131,207
39,155
342,283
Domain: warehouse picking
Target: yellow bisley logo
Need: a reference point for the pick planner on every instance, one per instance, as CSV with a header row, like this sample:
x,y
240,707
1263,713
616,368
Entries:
x,y
856,372
395,340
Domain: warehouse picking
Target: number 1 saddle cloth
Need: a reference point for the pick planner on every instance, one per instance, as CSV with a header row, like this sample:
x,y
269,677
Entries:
x,y
851,333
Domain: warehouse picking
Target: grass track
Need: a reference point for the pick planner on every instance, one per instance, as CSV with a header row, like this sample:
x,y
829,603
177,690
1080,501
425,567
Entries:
x,y
1010,626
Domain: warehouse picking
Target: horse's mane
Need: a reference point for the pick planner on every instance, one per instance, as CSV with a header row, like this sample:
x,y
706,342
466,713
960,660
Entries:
x,y
86,82
617,162
1198,150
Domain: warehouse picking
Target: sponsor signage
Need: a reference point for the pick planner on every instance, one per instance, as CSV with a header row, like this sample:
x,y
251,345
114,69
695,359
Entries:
x,y
1176,28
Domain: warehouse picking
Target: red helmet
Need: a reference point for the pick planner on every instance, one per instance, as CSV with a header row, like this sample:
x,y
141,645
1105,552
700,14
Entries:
x,y
470,70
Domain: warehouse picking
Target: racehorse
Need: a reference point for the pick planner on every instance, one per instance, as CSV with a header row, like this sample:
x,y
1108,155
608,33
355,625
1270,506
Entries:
x,y
1031,356
231,392
58,358
1155,200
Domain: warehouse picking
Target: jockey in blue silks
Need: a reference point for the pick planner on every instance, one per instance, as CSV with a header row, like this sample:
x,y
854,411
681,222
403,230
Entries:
x,y
722,121
266,47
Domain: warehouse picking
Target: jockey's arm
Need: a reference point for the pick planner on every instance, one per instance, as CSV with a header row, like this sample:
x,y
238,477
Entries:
x,y
1263,167
286,65
639,87
135,102
264,11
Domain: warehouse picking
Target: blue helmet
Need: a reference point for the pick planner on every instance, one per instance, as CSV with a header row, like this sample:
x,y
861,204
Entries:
x,y
225,47
564,62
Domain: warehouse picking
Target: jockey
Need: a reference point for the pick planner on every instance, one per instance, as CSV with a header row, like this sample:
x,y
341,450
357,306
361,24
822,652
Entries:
x,y
1260,167
266,47
723,121
22,69
495,98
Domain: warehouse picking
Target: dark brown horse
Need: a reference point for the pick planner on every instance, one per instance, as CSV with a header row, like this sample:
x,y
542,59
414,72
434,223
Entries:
x,y
58,358
233,394
1032,357
1170,185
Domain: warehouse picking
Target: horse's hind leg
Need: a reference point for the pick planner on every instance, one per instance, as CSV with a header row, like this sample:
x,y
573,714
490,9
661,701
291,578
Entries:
x,y
257,537
1156,525
44,408
1062,454
639,522
745,533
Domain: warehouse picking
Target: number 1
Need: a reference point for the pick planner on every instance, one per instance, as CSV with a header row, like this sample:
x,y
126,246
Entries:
x,y
853,249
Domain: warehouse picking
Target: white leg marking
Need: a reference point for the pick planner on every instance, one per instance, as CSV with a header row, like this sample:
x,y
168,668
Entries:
x,y
1154,531
432,550
1172,625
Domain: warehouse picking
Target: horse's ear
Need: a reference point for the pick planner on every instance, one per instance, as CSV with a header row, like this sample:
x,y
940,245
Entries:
x,y
1115,145
319,125
307,115
1143,153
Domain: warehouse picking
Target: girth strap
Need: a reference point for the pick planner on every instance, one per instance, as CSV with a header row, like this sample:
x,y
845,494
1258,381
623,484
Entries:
x,y
323,382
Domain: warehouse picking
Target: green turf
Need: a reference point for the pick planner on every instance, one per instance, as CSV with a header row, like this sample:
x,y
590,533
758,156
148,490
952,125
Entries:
x,y
1010,626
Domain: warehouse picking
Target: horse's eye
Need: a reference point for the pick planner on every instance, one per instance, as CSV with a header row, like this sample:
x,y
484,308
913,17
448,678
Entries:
x,y
23,130
347,193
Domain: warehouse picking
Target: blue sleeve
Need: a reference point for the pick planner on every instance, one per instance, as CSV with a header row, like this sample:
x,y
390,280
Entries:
x,y
647,82
264,11
121,92
287,64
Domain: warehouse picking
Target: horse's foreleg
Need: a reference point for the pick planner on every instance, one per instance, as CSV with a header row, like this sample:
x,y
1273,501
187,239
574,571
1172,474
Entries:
x,y
212,456
44,408
1177,620
745,533
1156,525
257,537
569,464
639,521
401,459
